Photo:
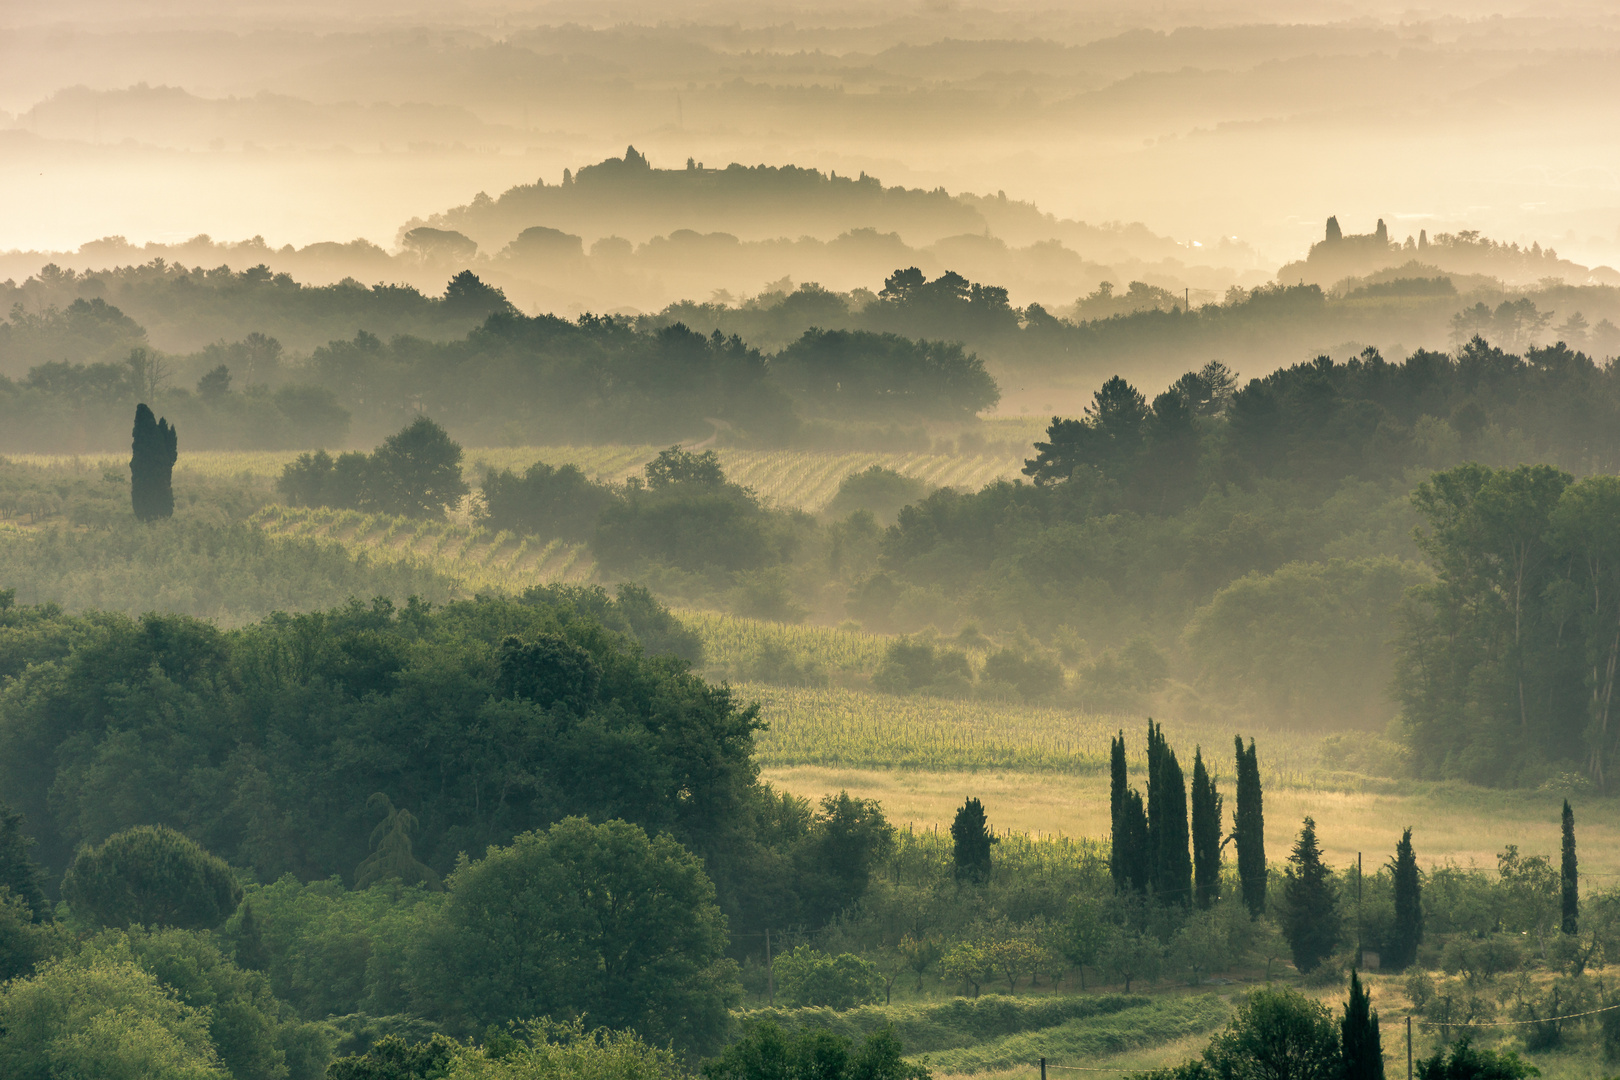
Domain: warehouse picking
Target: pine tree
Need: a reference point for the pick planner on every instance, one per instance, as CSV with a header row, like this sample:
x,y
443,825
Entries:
x,y
1570,874
1174,882
1407,932
1360,1044
1311,921
1118,781
971,840
153,451
1206,834
1249,829
17,869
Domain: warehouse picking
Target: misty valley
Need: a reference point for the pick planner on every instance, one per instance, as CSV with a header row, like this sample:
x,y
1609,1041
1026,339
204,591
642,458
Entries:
x,y
1135,592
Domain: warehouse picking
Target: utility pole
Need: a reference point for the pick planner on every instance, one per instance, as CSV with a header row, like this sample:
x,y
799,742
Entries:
x,y
1408,1048
770,977
1043,1069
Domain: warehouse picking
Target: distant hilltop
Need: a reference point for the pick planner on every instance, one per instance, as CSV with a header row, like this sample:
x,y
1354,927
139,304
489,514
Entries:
x,y
626,198
1338,256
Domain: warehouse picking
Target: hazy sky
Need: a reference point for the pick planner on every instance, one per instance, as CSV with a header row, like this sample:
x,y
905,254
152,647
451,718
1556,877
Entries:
x,y
304,122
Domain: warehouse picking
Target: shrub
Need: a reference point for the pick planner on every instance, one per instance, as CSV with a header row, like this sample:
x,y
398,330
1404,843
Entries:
x,y
808,977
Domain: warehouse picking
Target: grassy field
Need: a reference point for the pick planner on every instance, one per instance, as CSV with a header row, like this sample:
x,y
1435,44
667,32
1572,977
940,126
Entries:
x,y
801,479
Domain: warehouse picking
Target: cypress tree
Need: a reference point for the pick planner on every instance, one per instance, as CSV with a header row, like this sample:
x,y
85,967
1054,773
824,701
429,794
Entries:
x,y
1206,834
17,869
1155,805
1407,932
1134,827
1118,779
1311,921
250,949
1175,871
1570,873
1249,829
153,450
1360,1044
970,842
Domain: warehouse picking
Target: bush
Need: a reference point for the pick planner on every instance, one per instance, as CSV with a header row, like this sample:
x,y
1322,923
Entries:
x,y
879,491
551,502
1030,677
151,876
913,666
808,977
414,473
768,1053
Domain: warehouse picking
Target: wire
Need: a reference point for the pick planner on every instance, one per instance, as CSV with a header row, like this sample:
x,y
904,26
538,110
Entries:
x,y
1517,1023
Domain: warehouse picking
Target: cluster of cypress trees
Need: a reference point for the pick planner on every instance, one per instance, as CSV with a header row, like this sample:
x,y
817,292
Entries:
x,y
1150,843
153,452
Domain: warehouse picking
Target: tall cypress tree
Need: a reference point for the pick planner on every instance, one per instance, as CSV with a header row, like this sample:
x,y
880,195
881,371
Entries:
x,y
1155,804
153,451
1118,780
1134,828
1311,921
970,842
1175,872
1407,932
1362,1049
1570,873
1206,834
1249,829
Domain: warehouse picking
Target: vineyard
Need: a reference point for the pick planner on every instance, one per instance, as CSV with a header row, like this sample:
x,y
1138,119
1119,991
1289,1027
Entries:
x,y
477,559
852,728
802,480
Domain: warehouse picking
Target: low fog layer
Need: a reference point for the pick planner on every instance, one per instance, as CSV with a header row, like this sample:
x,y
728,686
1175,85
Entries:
x,y
1205,123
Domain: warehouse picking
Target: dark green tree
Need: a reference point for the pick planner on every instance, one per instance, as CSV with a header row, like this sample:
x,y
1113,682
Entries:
x,y
151,876
1118,784
1407,932
970,842
248,940
1206,834
1569,876
1361,1045
391,855
1311,919
1134,829
1249,829
416,472
595,919
153,452
1277,1035
17,870
1172,871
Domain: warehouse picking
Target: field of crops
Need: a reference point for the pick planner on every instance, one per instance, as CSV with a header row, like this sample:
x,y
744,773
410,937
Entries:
x,y
801,479
865,729
479,560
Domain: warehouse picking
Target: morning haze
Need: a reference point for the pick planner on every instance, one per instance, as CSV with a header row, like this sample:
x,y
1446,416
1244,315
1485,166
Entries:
x,y
788,541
